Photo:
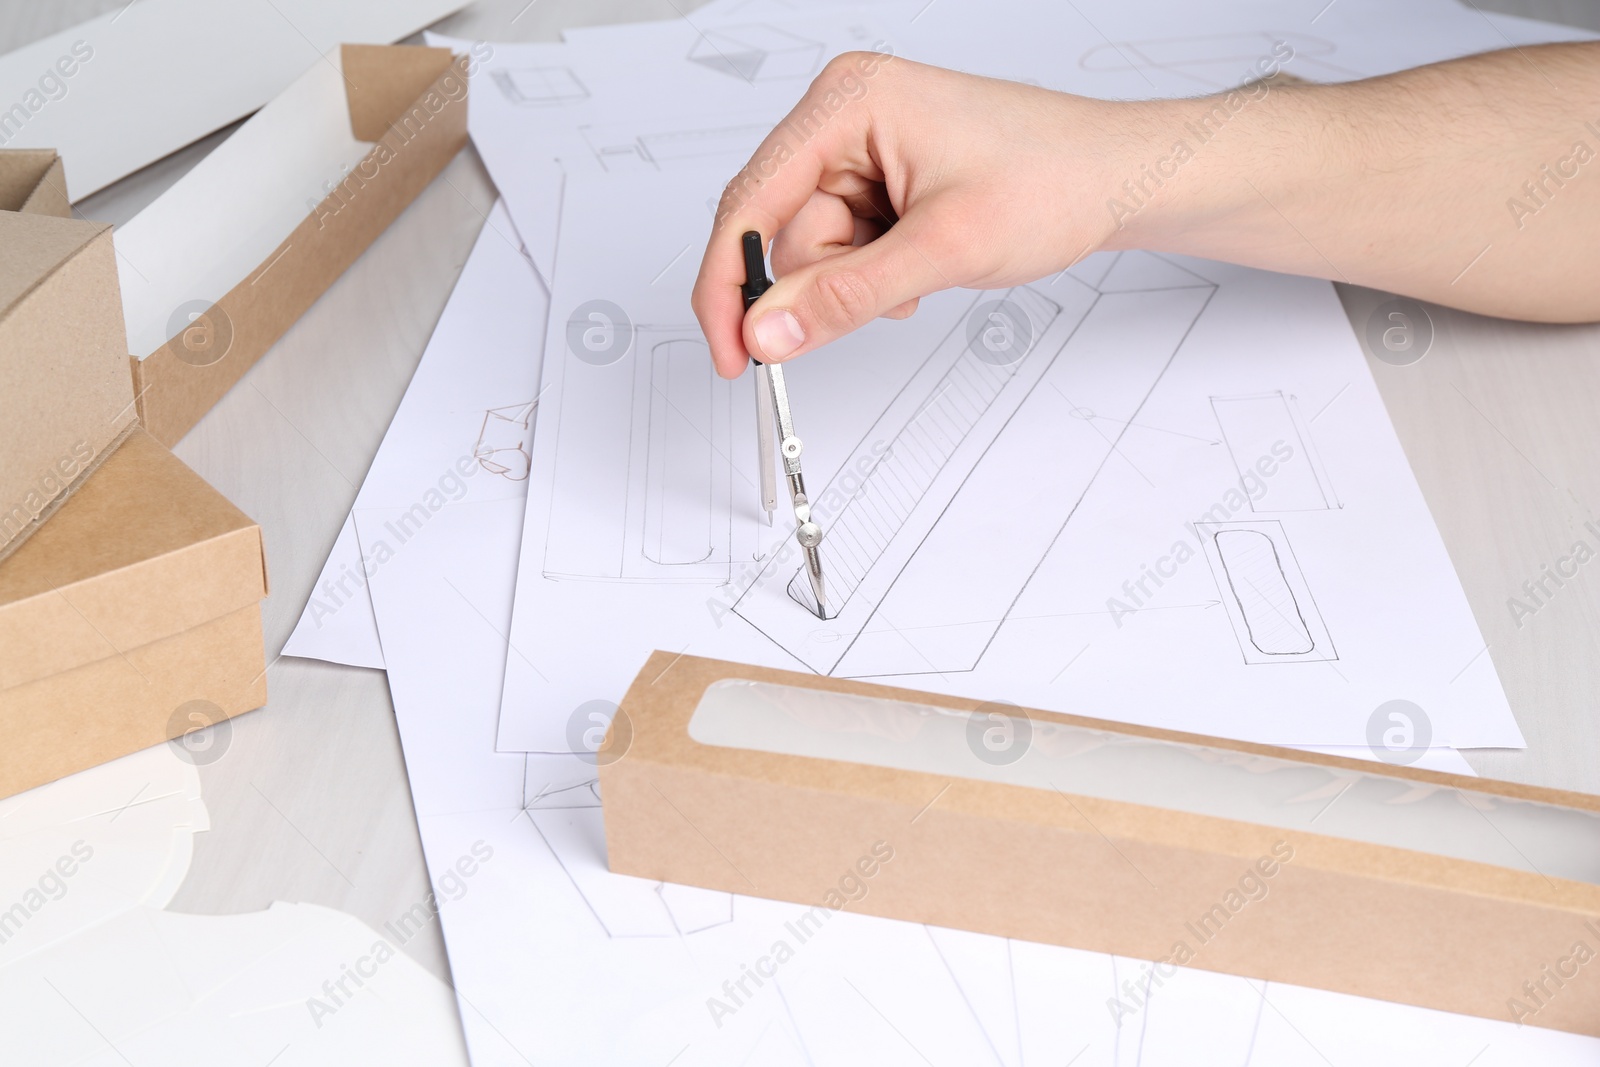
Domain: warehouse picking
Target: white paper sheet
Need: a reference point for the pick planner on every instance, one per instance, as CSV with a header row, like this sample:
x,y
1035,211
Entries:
x,y
454,438
555,960
656,95
337,625
1070,531
120,91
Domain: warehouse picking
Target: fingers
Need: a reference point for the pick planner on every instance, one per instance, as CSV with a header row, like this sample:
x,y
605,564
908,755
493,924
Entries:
x,y
717,300
820,137
839,293
825,227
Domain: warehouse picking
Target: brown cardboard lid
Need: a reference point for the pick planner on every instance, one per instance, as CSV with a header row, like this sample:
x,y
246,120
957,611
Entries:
x,y
34,246
21,171
94,713
143,550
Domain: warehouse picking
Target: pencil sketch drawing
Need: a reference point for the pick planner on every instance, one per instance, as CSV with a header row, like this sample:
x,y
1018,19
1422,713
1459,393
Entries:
x,y
1269,425
1269,603
538,86
919,489
502,445
757,53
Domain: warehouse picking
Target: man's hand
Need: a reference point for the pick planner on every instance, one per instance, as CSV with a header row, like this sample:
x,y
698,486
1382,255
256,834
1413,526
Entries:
x,y
1473,183
891,180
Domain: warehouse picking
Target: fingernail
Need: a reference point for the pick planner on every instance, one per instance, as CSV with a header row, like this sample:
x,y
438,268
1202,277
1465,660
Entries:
x,y
778,333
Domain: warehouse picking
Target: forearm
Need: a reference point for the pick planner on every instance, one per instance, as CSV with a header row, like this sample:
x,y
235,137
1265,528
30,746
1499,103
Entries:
x,y
1473,183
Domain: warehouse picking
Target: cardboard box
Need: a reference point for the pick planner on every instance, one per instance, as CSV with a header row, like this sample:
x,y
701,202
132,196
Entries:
x,y
1430,889
216,269
65,393
32,180
133,615
138,599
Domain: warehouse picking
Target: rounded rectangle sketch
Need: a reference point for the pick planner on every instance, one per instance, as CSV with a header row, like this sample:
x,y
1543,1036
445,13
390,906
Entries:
x,y
681,500
1255,577
660,506
1270,606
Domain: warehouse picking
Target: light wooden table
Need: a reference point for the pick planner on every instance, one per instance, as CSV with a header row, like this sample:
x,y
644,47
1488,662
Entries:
x,y
310,801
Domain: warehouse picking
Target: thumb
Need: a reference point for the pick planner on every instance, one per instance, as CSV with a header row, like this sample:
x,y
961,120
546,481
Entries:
x,y
835,295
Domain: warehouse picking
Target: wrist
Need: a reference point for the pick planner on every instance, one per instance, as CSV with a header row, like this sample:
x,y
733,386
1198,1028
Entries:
x,y
1199,174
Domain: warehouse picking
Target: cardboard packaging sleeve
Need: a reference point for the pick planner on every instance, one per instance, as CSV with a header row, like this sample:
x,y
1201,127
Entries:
x,y
132,617
66,397
223,263
1176,883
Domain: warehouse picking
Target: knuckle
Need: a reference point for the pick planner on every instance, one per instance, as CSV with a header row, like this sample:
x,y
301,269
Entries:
x,y
841,64
847,70
842,300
